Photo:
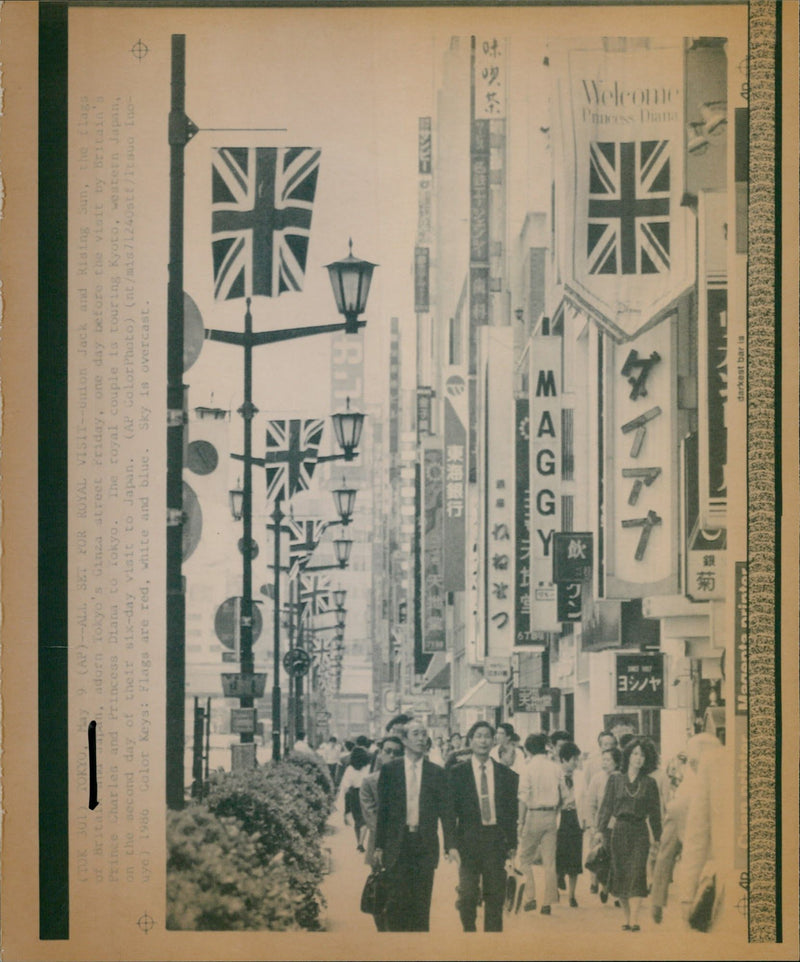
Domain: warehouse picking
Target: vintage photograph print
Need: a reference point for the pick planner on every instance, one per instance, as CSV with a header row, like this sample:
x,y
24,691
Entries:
x,y
400,468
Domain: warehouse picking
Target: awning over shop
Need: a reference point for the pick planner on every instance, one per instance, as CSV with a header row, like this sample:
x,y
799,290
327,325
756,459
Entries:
x,y
437,674
483,695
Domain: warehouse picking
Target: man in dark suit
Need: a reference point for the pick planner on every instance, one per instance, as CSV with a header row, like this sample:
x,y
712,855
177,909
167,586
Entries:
x,y
484,798
412,800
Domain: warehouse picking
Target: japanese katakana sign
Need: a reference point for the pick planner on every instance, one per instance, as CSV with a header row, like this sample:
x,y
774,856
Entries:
x,y
522,516
455,480
642,514
640,680
433,638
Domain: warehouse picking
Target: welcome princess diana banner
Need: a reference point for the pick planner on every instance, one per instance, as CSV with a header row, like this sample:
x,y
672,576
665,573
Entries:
x,y
625,238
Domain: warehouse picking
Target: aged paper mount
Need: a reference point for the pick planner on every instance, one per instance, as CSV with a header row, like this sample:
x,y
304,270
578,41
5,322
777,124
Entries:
x,y
96,524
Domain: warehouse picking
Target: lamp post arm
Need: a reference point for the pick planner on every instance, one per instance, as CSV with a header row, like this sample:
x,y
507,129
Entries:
x,y
338,457
257,338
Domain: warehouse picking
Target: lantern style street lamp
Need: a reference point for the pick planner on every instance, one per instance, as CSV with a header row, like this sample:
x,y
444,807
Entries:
x,y
350,280
236,498
338,598
342,547
344,500
347,426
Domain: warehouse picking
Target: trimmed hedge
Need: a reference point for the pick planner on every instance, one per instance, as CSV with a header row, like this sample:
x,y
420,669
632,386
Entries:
x,y
251,856
217,879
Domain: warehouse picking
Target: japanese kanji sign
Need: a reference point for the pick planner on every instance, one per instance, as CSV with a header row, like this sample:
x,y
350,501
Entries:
x,y
499,561
573,555
490,77
640,680
528,699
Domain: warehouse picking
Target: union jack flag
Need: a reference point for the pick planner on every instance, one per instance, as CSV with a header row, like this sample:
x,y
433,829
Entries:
x,y
315,594
629,192
291,456
261,204
304,537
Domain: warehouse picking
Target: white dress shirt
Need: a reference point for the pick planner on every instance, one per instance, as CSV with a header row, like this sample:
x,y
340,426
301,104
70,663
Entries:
x,y
476,770
538,785
412,790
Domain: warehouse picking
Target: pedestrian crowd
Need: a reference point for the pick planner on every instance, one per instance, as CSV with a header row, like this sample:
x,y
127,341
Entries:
x,y
521,821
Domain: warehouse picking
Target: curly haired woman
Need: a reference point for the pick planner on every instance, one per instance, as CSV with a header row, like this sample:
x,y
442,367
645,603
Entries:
x,y
631,814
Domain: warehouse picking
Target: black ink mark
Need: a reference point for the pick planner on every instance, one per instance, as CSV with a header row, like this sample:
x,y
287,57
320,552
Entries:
x,y
140,50
93,803
145,923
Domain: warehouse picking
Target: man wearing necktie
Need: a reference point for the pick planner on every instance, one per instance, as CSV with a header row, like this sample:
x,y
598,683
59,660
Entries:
x,y
412,800
484,798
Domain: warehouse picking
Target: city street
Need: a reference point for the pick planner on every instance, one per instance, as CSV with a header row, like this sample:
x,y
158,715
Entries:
x,y
565,927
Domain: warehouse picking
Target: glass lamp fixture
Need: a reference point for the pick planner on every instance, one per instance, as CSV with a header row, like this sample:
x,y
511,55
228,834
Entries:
x,y
236,498
344,500
347,426
350,280
338,598
342,547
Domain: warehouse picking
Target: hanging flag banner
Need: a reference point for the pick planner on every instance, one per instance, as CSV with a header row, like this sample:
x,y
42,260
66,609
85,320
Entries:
x,y
455,487
626,243
303,539
291,457
261,204
316,594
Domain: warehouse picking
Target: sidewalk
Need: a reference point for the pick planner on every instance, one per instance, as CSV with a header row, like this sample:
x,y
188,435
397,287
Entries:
x,y
342,889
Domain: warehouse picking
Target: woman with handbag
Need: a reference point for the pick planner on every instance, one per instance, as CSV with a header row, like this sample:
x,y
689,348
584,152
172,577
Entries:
x,y
629,816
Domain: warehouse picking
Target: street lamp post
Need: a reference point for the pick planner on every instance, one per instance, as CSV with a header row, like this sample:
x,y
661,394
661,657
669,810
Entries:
x,y
350,280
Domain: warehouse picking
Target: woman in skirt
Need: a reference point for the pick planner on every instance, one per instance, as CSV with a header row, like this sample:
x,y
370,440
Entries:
x,y
569,838
631,817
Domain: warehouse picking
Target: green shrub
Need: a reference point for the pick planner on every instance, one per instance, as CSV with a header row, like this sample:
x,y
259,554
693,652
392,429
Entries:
x,y
218,878
284,808
316,768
